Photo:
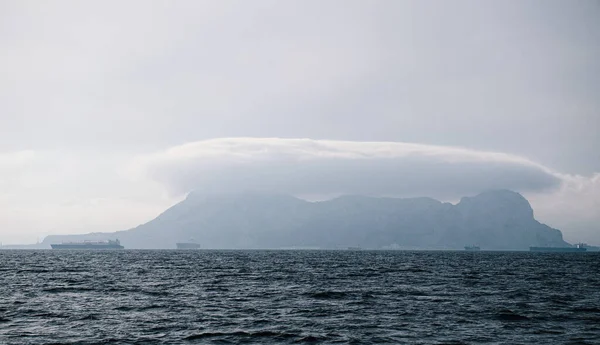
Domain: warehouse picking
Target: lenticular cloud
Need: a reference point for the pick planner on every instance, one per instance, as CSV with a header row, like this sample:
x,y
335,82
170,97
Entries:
x,y
324,167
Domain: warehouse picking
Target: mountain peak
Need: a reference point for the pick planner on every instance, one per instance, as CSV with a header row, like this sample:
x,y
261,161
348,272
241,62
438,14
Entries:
x,y
507,201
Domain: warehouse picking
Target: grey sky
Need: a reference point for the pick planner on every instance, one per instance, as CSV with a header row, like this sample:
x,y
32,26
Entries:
x,y
89,86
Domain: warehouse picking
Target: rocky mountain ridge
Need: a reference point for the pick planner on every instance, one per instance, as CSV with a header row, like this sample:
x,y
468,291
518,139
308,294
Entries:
x,y
495,220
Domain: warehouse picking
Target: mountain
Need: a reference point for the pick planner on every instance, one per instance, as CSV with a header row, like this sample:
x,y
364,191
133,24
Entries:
x,y
501,220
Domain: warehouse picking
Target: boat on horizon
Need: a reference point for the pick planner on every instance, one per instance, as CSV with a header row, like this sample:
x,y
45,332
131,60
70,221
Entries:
x,y
88,245
187,245
577,249
472,248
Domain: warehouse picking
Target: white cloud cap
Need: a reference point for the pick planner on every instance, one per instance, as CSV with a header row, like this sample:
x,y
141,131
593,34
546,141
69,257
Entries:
x,y
309,167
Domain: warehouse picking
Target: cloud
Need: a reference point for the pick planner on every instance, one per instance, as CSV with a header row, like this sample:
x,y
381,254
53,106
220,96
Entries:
x,y
152,74
324,167
55,192
573,208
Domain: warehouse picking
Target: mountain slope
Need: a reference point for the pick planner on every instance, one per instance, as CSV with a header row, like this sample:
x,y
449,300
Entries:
x,y
494,220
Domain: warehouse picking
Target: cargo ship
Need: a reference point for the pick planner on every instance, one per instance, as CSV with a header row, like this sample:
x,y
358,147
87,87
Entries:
x,y
472,248
88,245
187,245
577,249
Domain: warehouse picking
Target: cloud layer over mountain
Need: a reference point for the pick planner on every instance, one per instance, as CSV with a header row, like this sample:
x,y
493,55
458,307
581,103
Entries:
x,y
323,167
88,87
43,192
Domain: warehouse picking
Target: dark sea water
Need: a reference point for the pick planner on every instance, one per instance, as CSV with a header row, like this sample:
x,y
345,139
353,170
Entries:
x,y
281,297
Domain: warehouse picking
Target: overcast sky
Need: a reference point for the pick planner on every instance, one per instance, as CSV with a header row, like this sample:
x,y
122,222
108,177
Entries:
x,y
108,108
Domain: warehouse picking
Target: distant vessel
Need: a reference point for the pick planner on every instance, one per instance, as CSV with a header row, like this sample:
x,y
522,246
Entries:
x,y
472,248
590,248
187,245
89,245
577,249
353,248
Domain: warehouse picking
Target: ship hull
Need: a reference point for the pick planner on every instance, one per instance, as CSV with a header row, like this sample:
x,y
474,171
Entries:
x,y
557,249
188,246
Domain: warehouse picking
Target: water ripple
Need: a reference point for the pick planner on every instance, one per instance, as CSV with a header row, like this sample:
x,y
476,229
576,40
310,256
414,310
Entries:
x,y
298,297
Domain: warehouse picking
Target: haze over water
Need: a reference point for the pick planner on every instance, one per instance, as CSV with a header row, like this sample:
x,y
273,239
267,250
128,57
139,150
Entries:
x,y
277,297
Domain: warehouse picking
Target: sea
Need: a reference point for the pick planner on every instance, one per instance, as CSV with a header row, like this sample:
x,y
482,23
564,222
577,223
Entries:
x,y
298,297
